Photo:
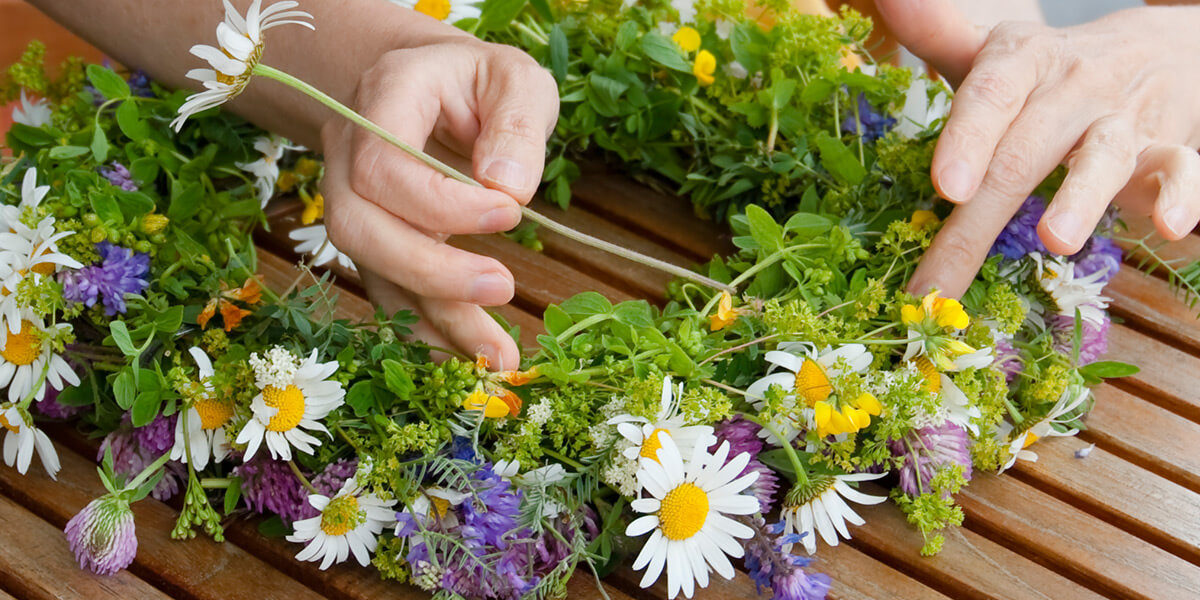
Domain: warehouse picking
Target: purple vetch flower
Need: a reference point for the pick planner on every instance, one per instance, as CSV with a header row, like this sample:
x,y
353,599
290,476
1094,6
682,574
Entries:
x,y
102,535
120,271
871,124
1020,236
139,84
1099,254
51,407
130,458
1093,338
742,436
270,487
783,573
119,176
927,450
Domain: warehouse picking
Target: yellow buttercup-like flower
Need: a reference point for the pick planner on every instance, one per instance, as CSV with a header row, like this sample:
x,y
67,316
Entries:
x,y
493,407
923,218
848,418
314,208
946,312
704,67
725,315
687,38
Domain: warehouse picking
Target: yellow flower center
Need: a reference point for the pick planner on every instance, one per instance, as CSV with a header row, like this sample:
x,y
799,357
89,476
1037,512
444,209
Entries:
x,y
683,512
289,401
438,9
1030,438
933,379
340,516
440,506
44,269
213,413
9,426
812,384
704,67
22,348
651,444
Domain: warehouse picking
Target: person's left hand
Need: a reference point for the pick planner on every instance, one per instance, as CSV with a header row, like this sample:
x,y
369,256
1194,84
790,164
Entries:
x,y
1117,100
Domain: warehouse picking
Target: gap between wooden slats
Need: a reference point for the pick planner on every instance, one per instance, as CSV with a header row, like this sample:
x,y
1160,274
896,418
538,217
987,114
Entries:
x,y
1145,434
1168,376
36,563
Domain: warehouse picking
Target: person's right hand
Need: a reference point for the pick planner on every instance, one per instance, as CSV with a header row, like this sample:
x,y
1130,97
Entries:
x,y
487,110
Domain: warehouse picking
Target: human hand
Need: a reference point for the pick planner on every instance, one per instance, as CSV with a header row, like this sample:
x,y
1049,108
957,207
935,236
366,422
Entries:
x,y
484,108
1117,100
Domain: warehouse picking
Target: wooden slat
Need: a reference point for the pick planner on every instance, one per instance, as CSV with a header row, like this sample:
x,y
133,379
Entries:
x,y
1144,302
198,569
969,565
1167,373
1187,248
1152,437
37,564
1071,542
1132,498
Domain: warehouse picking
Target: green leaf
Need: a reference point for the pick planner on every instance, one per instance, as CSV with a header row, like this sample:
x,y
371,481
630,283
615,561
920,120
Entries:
x,y
361,398
99,145
556,320
750,46
106,82
131,123
586,304
499,14
124,389
83,394
604,93
62,152
397,379
170,320
134,204
634,313
233,494
808,225
664,51
185,200
145,408
839,160
558,54
274,527
781,92
1108,369
106,208
763,228
120,335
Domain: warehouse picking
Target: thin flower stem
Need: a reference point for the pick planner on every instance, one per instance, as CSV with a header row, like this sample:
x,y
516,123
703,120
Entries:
x,y
451,172
739,347
146,473
215,483
801,472
563,459
303,480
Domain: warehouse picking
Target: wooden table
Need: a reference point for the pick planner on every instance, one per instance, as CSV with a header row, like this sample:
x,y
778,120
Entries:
x,y
1121,523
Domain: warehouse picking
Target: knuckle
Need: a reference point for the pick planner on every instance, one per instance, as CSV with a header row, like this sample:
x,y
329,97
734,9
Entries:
x,y
1012,164
364,168
994,89
518,125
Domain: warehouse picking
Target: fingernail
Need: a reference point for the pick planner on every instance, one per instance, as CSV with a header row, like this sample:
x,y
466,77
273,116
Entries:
x,y
955,181
1067,227
1176,219
495,360
499,219
508,173
490,288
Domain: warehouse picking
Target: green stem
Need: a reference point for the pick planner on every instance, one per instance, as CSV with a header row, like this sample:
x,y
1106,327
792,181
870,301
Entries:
x,y
564,459
148,471
451,172
215,483
801,472
303,480
580,326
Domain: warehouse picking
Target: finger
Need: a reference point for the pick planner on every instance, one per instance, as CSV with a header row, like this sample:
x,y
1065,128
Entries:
x,y
1169,176
1024,157
936,31
983,110
1099,169
518,107
381,242
404,97
452,325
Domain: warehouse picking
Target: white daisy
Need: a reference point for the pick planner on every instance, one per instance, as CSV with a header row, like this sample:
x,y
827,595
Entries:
x,y
958,408
1057,277
33,114
266,168
23,438
806,378
315,240
293,394
349,523
205,421
690,533
450,11
26,356
640,432
241,47
1069,402
825,512
920,110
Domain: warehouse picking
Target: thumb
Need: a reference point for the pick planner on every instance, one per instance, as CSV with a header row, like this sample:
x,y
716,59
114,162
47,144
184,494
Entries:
x,y
937,32
518,107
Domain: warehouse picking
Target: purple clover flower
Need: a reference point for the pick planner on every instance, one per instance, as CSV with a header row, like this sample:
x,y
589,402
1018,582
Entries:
x,y
927,450
130,458
330,481
1008,359
102,535
1099,254
120,271
770,567
742,436
119,176
51,407
270,487
870,123
158,436
1093,339
1020,236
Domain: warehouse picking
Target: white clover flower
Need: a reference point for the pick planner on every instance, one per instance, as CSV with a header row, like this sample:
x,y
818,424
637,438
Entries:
x,y
34,114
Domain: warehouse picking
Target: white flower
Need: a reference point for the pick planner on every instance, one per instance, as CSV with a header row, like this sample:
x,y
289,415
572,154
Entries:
x,y
1057,276
266,168
641,432
506,469
687,10
826,512
1069,402
349,523
690,533
735,70
431,506
25,356
806,378
33,114
920,111
205,421
22,439
450,11
241,47
724,27
315,240
958,408
294,395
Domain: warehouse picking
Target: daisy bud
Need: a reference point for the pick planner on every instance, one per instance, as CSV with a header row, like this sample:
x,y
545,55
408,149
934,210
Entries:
x,y
102,535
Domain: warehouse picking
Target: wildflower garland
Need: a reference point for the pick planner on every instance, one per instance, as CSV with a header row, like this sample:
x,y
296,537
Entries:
x,y
724,425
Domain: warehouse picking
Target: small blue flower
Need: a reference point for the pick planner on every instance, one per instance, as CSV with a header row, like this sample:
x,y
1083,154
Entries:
x,y
120,271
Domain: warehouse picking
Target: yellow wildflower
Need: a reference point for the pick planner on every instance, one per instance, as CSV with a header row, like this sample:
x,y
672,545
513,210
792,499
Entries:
x,y
314,208
704,67
725,315
493,407
687,38
923,218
